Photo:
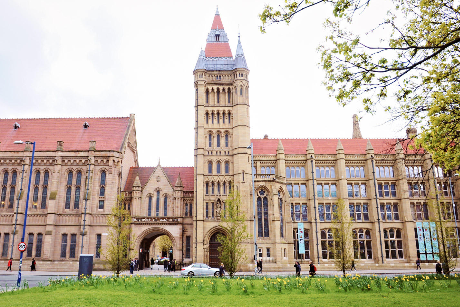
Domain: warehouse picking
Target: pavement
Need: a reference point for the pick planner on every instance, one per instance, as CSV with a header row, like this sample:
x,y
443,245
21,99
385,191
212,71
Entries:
x,y
8,278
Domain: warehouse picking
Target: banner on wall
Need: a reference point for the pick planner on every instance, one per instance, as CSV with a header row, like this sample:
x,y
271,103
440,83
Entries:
x,y
421,241
434,240
426,232
301,238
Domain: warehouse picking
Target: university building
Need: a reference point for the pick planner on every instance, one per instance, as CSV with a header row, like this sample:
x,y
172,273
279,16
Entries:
x,y
86,162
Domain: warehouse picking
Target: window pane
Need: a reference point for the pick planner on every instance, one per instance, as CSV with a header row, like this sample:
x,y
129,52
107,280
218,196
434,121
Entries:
x,y
303,190
333,190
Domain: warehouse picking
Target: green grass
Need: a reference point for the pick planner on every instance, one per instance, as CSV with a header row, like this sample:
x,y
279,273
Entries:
x,y
291,291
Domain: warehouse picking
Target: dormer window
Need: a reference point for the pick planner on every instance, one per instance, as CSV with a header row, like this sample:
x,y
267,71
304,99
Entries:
x,y
217,37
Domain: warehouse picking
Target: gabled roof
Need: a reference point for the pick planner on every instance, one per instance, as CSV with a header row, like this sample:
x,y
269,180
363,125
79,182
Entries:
x,y
108,132
326,146
144,173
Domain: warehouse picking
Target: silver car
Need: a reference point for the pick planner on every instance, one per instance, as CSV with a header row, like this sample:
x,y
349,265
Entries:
x,y
199,269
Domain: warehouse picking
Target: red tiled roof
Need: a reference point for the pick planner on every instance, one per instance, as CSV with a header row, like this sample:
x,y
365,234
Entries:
x,y
218,50
217,22
144,173
108,133
325,146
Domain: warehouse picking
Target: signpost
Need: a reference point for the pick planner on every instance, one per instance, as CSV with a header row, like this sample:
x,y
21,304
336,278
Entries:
x,y
22,247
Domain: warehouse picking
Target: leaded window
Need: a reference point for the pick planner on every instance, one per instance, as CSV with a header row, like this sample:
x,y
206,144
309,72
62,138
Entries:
x,y
262,214
362,244
393,243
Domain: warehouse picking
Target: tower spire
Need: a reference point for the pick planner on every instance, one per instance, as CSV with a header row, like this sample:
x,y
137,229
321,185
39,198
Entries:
x,y
240,60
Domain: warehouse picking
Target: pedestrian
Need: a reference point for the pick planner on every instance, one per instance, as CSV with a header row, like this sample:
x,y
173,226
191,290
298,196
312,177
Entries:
x,y
32,266
312,269
152,263
259,266
438,267
173,265
221,270
131,267
297,268
353,265
417,262
165,265
136,264
10,263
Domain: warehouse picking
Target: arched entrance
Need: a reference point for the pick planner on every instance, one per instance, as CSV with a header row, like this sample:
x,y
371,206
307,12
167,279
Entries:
x,y
214,255
145,243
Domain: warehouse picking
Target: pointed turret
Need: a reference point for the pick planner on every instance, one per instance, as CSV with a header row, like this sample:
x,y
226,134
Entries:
x,y
240,60
137,182
217,45
339,146
310,149
201,63
280,146
356,129
369,145
179,182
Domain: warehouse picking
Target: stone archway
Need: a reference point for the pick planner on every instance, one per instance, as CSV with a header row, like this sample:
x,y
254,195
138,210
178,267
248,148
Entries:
x,y
213,247
145,240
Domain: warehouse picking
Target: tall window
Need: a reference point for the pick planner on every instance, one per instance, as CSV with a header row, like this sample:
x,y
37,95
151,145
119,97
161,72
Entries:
x,y
165,206
36,188
359,212
280,203
68,193
157,207
362,244
226,140
64,246
149,208
393,243
210,140
207,96
389,212
218,140
186,210
218,167
4,187
30,245
76,203
12,189
6,241
262,214
327,244
296,244
73,245
299,212
46,177
98,245
207,118
209,167
187,246
227,167
38,248
102,189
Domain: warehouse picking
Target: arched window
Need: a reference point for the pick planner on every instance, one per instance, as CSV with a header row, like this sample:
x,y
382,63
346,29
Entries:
x,y
218,117
209,167
36,188
262,214
157,207
362,244
102,189
14,176
165,206
4,187
218,167
46,177
228,97
229,118
149,208
227,167
76,203
210,139
207,118
223,117
327,244
218,188
393,243
226,140
224,188
218,138
241,91
68,193
207,96
280,203
218,99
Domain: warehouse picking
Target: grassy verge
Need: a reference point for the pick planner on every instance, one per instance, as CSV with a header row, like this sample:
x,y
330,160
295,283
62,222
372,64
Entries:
x,y
290,291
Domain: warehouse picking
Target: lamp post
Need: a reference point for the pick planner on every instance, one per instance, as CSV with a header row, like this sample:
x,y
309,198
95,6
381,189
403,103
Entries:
x,y
17,209
253,202
377,207
453,205
27,206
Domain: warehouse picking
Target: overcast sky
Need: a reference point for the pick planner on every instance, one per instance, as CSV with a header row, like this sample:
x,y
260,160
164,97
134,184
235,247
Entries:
x,y
114,58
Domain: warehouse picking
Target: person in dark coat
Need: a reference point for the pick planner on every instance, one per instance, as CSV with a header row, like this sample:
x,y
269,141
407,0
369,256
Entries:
x,y
312,269
165,265
131,266
353,265
438,267
173,265
417,262
297,268
32,266
221,270
152,263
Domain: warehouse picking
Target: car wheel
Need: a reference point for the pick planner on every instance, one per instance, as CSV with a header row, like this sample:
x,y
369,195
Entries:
x,y
190,274
216,274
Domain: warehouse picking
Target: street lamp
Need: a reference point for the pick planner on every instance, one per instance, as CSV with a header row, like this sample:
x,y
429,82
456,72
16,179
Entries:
x,y
253,202
27,206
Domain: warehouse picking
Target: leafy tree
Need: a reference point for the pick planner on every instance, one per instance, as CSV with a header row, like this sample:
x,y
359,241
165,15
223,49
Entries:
x,y
164,243
233,221
410,57
342,228
118,248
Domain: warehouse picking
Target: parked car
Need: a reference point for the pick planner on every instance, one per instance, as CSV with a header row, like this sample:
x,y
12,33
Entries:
x,y
199,269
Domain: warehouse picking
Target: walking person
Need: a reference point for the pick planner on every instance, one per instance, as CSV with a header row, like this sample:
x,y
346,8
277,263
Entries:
x,y
32,266
173,265
10,263
152,263
438,267
417,262
165,265
221,270
353,265
312,269
131,267
297,268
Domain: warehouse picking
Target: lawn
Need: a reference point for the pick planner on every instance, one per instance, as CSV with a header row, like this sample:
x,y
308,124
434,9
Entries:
x,y
284,291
